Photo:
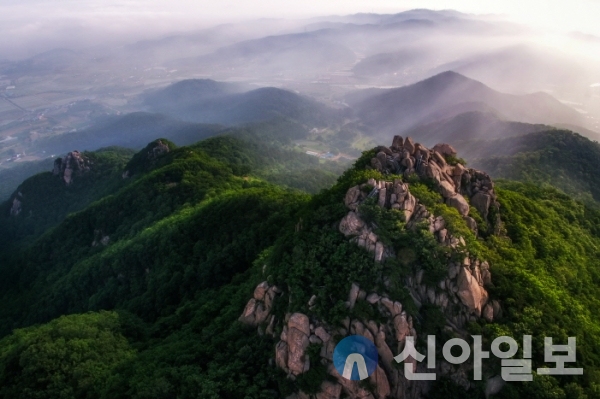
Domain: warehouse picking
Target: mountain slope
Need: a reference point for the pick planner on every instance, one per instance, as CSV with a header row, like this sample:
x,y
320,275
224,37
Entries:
x,y
560,158
208,101
396,110
45,199
468,126
192,237
546,68
132,130
12,176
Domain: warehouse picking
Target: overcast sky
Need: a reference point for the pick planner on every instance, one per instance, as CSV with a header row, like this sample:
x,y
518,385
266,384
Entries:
x,y
25,22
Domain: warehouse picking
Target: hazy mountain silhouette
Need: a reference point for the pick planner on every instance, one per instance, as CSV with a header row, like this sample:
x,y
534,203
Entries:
x,y
207,101
131,131
290,53
521,68
448,94
474,125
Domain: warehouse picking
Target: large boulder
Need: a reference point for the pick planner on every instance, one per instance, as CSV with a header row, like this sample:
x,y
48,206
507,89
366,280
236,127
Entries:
x,y
351,224
459,203
297,342
447,189
397,143
352,197
353,295
408,206
482,201
444,149
248,316
471,294
401,326
433,171
380,381
281,355
409,145
300,322
329,390
382,158
260,291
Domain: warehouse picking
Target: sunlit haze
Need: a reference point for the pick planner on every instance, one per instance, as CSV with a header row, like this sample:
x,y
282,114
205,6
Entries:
x,y
27,26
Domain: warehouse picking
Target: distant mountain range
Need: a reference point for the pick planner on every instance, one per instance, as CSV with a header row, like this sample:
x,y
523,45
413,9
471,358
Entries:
x,y
468,126
207,101
131,130
449,94
524,68
296,53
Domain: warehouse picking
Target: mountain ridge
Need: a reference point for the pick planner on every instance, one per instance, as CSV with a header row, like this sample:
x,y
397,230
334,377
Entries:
x,y
405,107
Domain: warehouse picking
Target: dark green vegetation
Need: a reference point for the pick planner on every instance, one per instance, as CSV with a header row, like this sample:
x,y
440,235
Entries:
x,y
46,199
13,175
559,158
152,311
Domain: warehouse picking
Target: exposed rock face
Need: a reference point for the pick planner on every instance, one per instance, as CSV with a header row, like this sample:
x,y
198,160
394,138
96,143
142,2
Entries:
x,y
100,239
298,333
351,225
458,202
258,309
17,205
461,295
470,292
482,201
456,183
158,149
444,149
72,165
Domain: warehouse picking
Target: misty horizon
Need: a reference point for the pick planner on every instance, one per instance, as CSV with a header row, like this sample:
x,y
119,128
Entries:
x,y
97,74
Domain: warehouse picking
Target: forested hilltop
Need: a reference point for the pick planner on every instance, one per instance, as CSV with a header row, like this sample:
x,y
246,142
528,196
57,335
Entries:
x,y
179,272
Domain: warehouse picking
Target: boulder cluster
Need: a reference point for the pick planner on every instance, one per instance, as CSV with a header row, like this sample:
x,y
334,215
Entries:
x,y
453,179
461,294
258,309
300,330
73,164
465,282
388,333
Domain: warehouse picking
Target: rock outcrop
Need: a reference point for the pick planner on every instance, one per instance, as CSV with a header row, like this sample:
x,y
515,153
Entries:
x,y
100,239
461,294
17,205
455,182
159,148
258,309
72,165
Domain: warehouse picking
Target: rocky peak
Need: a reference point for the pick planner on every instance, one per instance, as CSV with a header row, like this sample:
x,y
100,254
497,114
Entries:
x,y
73,164
159,148
461,295
147,157
455,182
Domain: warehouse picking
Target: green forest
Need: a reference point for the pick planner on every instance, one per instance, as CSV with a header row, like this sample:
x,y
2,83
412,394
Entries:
x,y
152,311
